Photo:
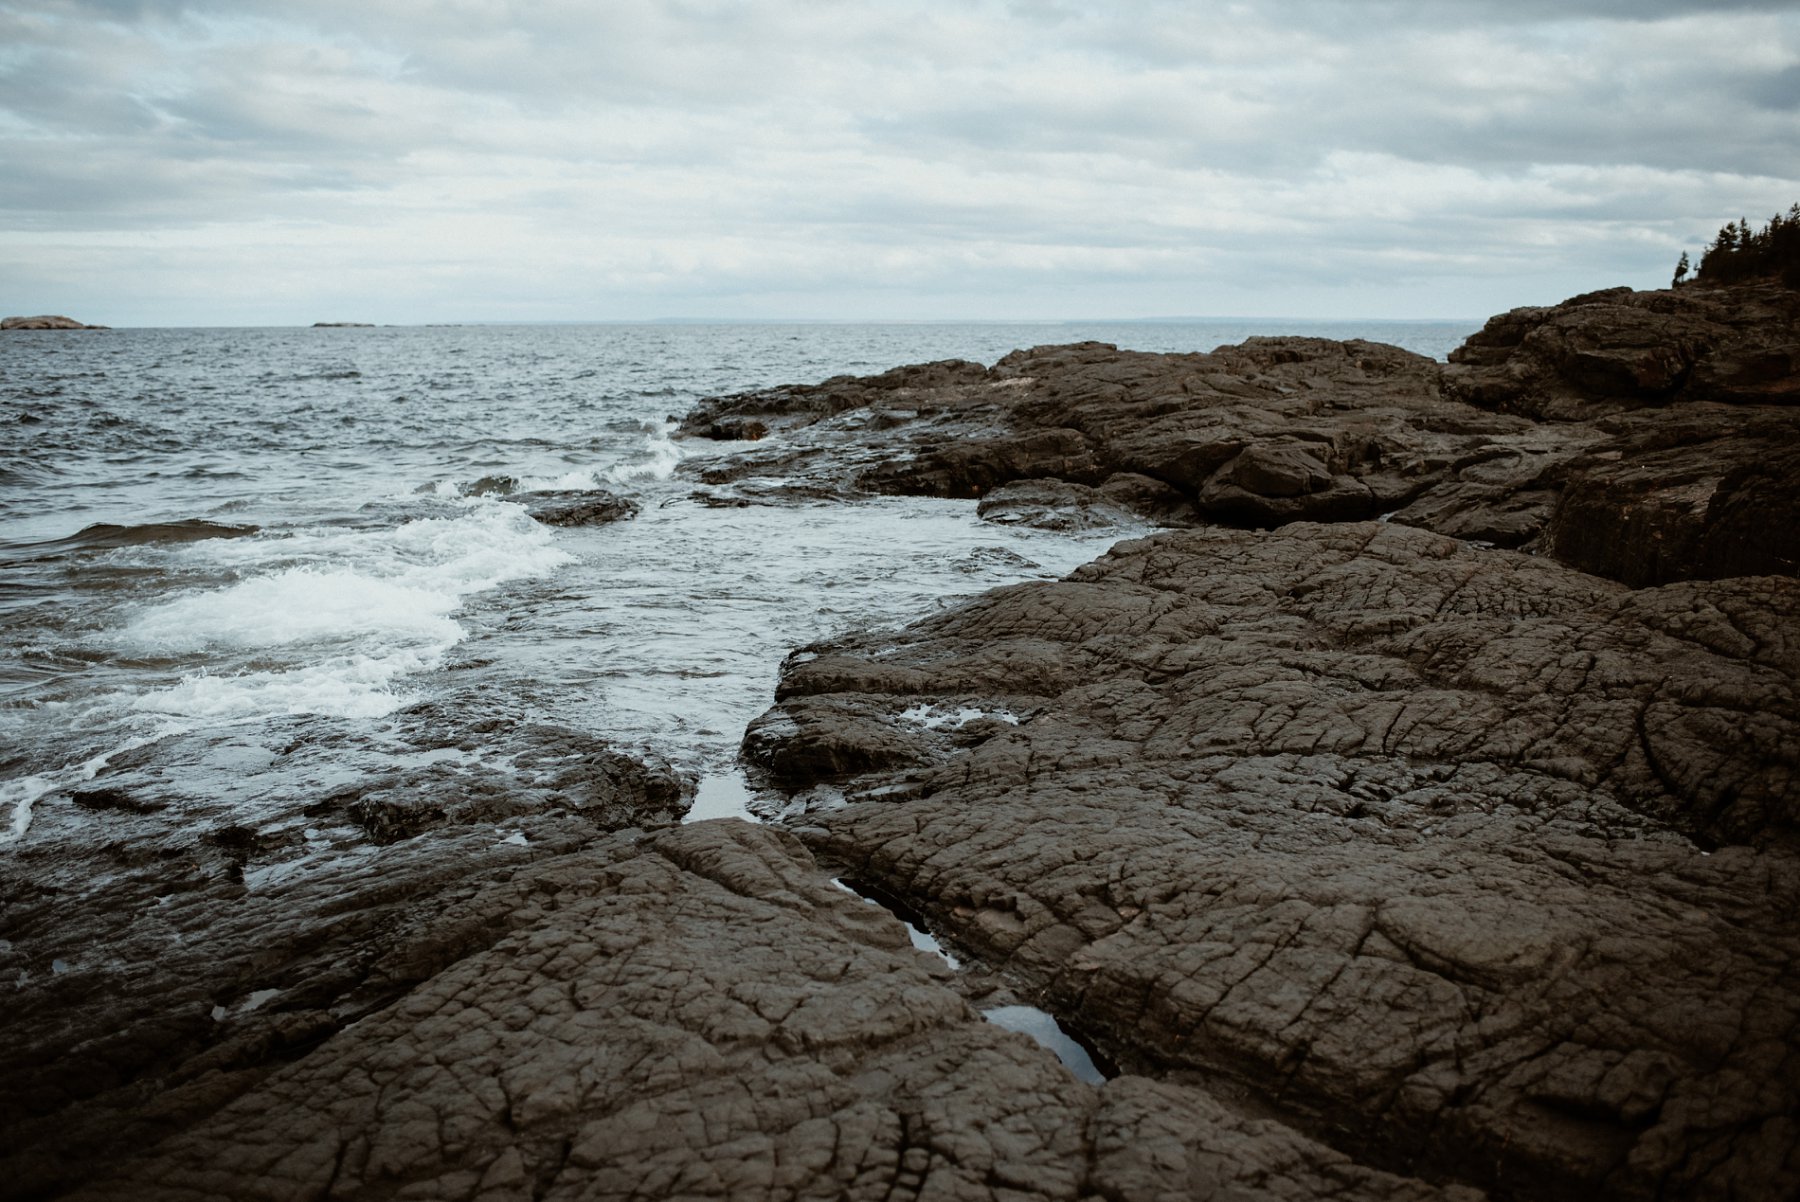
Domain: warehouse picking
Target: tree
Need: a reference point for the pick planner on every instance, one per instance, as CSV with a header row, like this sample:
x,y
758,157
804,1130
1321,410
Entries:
x,y
1741,252
1681,271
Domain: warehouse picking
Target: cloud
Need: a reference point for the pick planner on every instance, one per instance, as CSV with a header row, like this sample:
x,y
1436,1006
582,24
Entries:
x,y
843,155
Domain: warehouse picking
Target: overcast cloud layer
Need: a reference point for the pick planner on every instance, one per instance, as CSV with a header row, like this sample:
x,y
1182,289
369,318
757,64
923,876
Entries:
x,y
249,163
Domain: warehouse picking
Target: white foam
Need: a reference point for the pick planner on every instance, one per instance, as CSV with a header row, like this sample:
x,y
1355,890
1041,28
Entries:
x,y
654,459
21,795
25,792
353,686
932,718
299,605
660,456
363,610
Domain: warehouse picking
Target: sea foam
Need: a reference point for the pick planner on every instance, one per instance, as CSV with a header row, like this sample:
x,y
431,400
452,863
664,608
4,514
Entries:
x,y
360,612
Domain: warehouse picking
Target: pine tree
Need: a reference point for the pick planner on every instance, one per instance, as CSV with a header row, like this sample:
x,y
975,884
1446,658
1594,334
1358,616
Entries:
x,y
1742,253
1681,271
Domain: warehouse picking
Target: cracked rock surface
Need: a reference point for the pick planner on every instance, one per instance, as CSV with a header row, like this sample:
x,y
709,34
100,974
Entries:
x,y
1466,862
700,1013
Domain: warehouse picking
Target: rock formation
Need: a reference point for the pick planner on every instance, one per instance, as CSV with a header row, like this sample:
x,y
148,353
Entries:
x,y
1463,861
1647,437
1450,854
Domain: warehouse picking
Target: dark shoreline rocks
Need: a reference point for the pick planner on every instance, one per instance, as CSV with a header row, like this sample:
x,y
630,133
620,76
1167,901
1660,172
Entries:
x,y
1472,864
1467,863
162,961
1384,861
1647,437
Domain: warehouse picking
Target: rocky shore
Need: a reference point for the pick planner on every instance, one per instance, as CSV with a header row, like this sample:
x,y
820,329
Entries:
x,y
1412,816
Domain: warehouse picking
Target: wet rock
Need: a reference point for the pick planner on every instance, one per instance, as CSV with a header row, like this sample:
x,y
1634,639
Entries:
x,y
733,429
1054,505
491,486
1468,862
113,799
106,536
576,507
161,959
733,416
701,1013
961,467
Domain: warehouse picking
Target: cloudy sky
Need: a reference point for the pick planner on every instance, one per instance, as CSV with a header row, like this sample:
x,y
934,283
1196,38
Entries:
x,y
176,163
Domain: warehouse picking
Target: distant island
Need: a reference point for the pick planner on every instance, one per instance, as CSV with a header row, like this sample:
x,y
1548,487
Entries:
x,y
46,322
343,325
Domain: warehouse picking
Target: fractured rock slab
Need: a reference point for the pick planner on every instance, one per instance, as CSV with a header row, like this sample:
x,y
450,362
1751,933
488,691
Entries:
x,y
702,1014
1459,859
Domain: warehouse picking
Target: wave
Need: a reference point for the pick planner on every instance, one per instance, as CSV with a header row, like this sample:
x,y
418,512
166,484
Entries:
x,y
654,459
335,633
107,536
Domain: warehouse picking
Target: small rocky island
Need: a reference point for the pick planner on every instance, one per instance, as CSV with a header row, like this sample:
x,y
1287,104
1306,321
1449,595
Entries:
x,y
1412,814
45,322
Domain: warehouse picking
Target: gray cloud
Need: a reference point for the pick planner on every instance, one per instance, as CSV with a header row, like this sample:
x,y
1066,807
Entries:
x,y
789,152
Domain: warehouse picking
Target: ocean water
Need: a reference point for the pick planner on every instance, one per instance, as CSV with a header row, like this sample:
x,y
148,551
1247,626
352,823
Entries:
x,y
220,545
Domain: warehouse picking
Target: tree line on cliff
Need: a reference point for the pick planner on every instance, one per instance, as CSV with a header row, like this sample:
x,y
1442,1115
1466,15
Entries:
x,y
1741,253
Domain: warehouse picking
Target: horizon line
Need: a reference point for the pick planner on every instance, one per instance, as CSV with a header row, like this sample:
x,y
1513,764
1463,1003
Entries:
x,y
1172,319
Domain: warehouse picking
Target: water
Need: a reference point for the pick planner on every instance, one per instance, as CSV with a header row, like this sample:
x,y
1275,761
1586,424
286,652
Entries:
x,y
288,560
1048,1033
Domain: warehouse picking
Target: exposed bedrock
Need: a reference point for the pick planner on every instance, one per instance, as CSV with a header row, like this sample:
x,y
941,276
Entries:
x,y
700,1013
1647,437
1462,861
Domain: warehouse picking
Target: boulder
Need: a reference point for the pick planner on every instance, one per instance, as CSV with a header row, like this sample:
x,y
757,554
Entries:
x,y
1617,350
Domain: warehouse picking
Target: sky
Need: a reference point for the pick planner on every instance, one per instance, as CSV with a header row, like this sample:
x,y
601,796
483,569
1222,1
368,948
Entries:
x,y
249,163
